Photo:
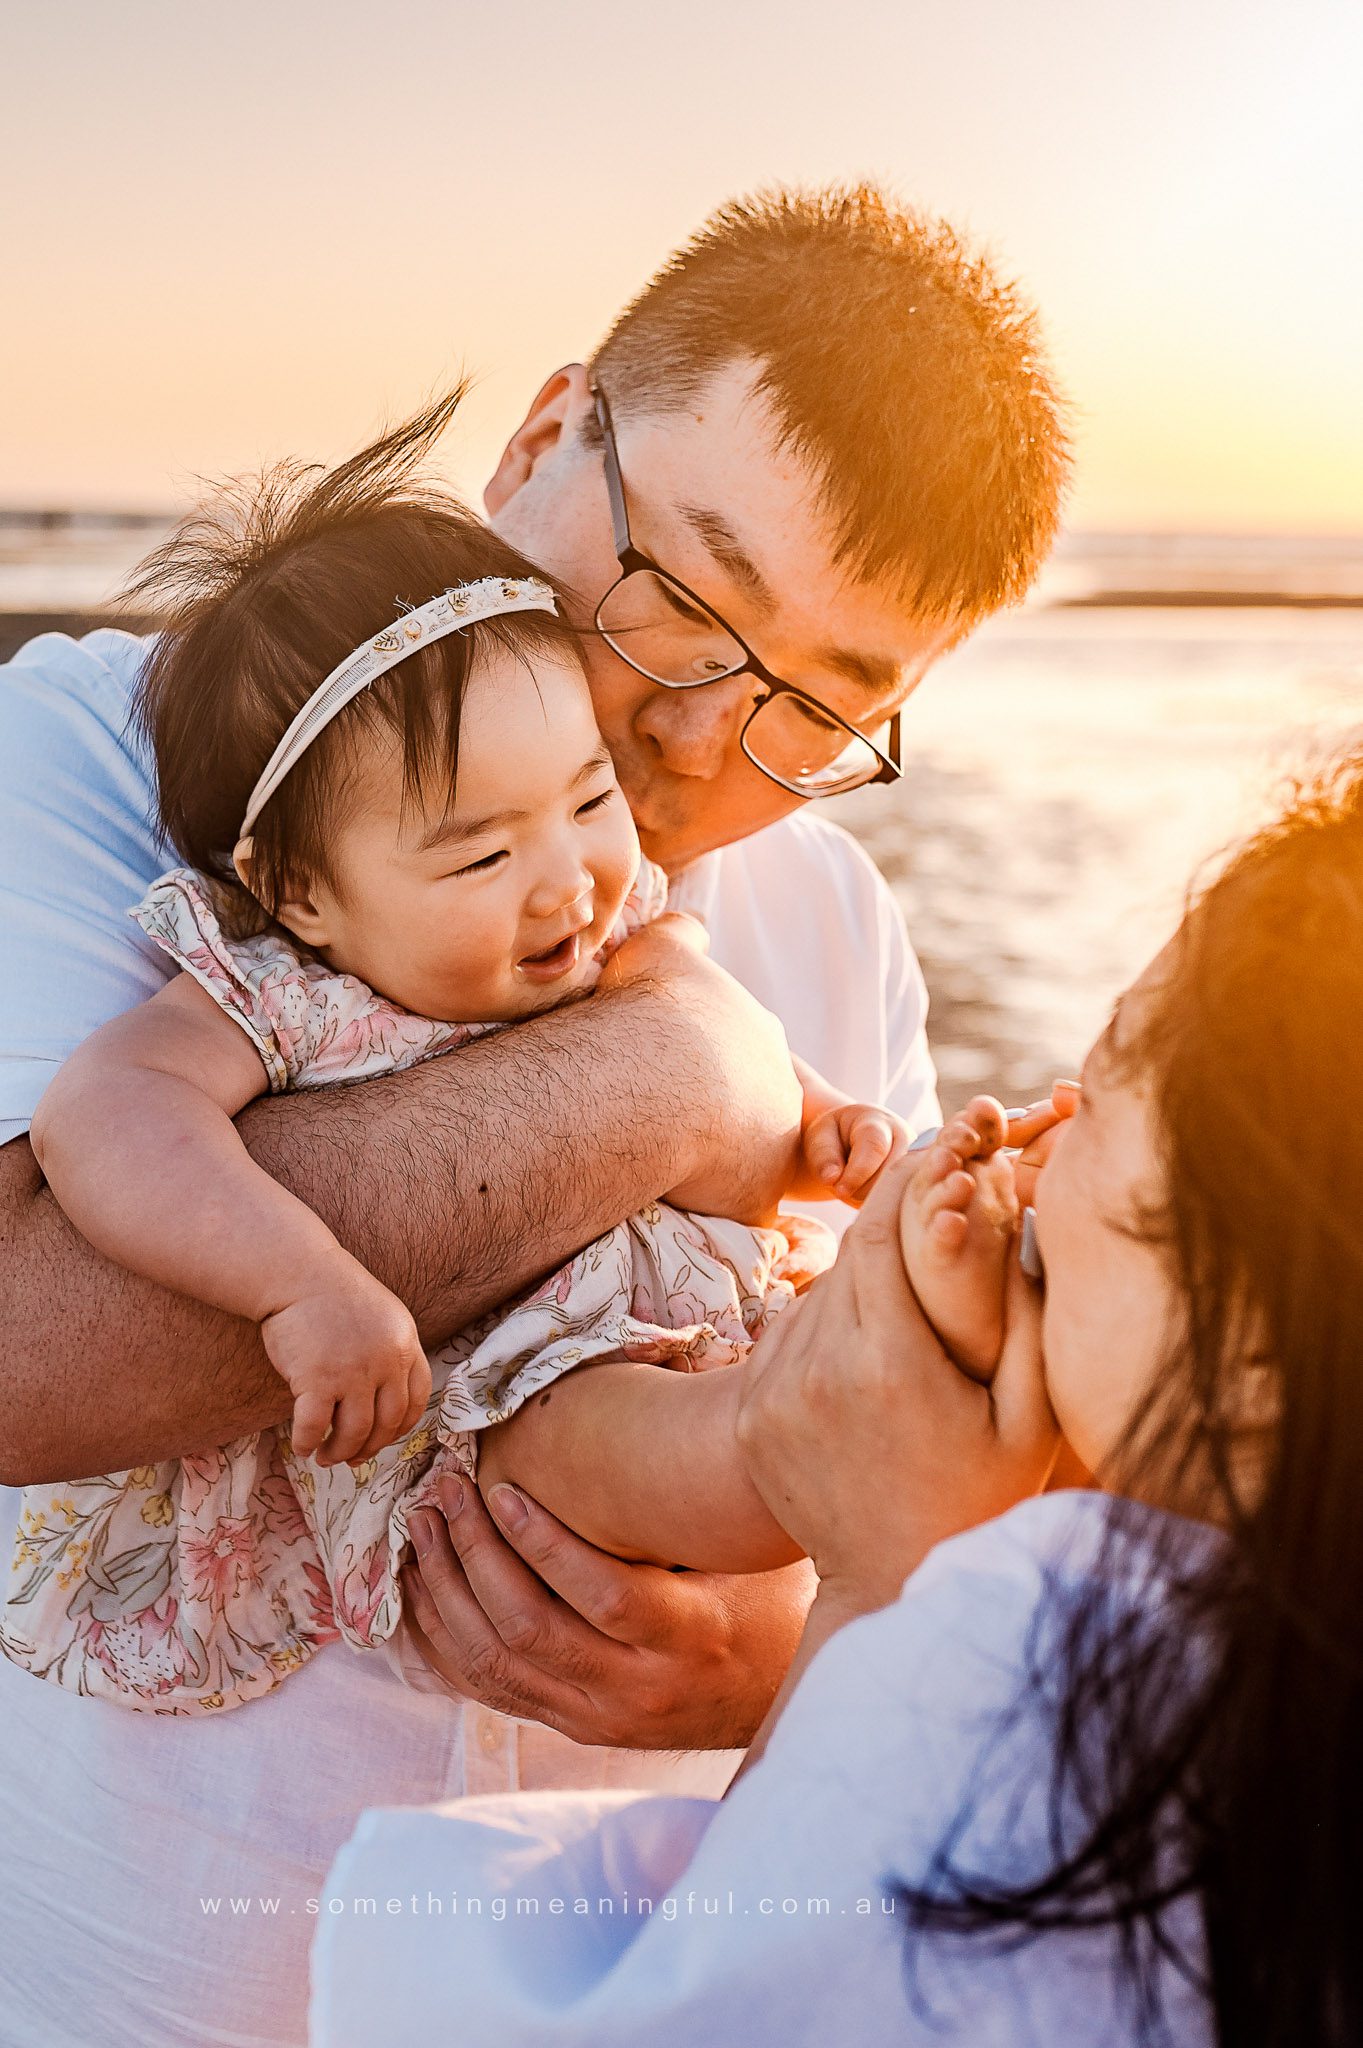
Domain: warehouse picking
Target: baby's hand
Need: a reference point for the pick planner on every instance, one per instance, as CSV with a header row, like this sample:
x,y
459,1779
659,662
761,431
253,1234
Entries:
x,y
350,1353
848,1147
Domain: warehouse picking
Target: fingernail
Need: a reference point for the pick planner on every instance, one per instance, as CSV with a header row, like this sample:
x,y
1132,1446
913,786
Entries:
x,y
420,1531
829,1172
508,1507
1077,1086
452,1497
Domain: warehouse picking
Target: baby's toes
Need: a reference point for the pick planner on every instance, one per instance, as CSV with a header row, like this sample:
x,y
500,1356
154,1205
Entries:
x,y
990,1121
924,1217
996,1185
959,1140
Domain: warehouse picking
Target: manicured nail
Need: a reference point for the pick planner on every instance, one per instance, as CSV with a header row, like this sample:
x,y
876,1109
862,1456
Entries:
x,y
451,1492
508,1507
1029,1251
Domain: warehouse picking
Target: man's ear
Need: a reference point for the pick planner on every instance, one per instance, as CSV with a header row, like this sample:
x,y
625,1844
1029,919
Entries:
x,y
551,421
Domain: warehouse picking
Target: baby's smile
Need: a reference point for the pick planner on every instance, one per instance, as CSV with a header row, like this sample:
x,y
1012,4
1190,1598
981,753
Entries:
x,y
555,961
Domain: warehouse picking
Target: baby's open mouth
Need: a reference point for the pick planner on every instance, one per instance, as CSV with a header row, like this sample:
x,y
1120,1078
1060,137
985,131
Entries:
x,y
554,961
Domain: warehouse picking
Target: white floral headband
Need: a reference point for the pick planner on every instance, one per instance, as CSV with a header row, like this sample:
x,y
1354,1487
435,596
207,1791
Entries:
x,y
464,604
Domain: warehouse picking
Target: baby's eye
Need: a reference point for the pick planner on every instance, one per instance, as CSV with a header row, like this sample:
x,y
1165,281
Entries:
x,y
596,803
478,867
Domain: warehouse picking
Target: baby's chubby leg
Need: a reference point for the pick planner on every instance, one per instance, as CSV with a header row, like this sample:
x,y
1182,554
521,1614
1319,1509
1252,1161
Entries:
x,y
957,1222
643,1462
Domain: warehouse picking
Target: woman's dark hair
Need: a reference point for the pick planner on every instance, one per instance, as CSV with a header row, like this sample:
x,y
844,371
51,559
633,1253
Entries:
x,y
1212,1746
264,590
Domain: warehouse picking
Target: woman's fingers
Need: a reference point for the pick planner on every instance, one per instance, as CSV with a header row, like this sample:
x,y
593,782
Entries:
x,y
1024,1419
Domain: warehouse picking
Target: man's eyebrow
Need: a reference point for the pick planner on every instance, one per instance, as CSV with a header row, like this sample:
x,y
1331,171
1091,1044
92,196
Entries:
x,y
729,551
875,672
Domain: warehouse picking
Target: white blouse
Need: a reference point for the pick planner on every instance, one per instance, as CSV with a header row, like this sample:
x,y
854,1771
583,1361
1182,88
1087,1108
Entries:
x,y
619,1920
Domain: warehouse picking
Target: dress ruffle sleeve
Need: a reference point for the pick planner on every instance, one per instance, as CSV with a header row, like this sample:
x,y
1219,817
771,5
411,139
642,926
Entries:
x,y
310,1024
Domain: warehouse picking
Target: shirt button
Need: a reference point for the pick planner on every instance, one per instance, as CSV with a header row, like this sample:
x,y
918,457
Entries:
x,y
490,1736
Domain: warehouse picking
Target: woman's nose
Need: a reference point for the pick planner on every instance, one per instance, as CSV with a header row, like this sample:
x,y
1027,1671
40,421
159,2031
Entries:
x,y
696,730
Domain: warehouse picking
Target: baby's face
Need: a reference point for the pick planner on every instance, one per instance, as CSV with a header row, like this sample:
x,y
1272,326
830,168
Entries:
x,y
491,908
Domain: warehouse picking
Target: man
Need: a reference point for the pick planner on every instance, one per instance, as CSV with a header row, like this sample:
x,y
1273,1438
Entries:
x,y
810,456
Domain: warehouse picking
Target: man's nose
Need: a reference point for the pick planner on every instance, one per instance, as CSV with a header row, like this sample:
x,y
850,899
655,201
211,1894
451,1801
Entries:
x,y
696,730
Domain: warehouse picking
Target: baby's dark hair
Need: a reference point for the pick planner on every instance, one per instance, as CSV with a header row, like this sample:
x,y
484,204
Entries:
x,y
264,589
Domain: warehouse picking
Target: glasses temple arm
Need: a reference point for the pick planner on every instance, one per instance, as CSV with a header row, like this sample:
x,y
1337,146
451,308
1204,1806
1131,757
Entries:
x,y
615,488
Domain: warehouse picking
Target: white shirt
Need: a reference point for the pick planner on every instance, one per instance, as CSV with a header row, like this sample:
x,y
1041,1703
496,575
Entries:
x,y
119,1828
774,1920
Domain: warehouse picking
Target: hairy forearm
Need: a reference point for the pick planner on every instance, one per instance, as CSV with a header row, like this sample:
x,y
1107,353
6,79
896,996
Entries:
x,y
455,1183
642,1462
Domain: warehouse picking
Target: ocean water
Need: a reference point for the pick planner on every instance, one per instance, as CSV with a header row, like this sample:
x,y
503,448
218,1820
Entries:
x,y
1067,770
1067,773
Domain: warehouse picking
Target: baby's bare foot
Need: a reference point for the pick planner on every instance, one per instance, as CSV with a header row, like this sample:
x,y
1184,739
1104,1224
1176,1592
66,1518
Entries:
x,y
958,1219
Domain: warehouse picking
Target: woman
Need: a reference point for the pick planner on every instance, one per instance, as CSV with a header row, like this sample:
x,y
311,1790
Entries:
x,y
1093,1775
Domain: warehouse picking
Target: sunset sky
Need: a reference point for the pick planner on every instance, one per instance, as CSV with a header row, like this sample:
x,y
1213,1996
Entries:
x,y
235,233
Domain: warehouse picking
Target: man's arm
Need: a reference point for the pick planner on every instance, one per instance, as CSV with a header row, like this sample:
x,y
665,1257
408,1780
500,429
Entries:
x,y
455,1183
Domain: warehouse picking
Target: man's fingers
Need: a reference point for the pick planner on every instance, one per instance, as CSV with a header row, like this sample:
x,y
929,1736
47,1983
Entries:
x,y
471,1653
601,1590
518,1598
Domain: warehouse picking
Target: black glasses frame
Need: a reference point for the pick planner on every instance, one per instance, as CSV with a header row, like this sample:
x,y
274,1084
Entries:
x,y
631,559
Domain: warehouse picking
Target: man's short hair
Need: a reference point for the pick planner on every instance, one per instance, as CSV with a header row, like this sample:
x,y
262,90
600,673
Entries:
x,y
899,365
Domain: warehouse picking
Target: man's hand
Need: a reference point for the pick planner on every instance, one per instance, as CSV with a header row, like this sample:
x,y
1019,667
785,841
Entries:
x,y
749,1147
538,1623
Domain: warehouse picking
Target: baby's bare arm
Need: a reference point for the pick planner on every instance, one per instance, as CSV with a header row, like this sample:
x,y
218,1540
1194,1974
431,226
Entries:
x,y
136,1140
435,1179
642,1462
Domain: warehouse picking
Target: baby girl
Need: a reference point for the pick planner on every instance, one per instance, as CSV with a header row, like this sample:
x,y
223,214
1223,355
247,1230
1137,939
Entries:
x,y
401,830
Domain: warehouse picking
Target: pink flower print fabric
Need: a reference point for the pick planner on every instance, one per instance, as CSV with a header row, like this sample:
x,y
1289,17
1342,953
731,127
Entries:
x,y
196,1585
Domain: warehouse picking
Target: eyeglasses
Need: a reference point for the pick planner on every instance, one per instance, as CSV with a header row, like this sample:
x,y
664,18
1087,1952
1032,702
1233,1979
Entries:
x,y
667,633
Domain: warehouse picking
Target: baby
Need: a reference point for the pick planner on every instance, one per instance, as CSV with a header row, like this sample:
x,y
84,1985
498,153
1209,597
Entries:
x,y
400,832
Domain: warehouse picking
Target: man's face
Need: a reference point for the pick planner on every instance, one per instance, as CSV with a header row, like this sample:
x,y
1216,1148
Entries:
x,y
715,501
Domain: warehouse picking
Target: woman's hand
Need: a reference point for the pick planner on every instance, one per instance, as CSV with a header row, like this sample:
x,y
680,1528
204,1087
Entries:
x,y
866,1442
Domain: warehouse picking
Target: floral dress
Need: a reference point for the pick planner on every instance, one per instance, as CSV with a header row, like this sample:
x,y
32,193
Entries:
x,y
199,1583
